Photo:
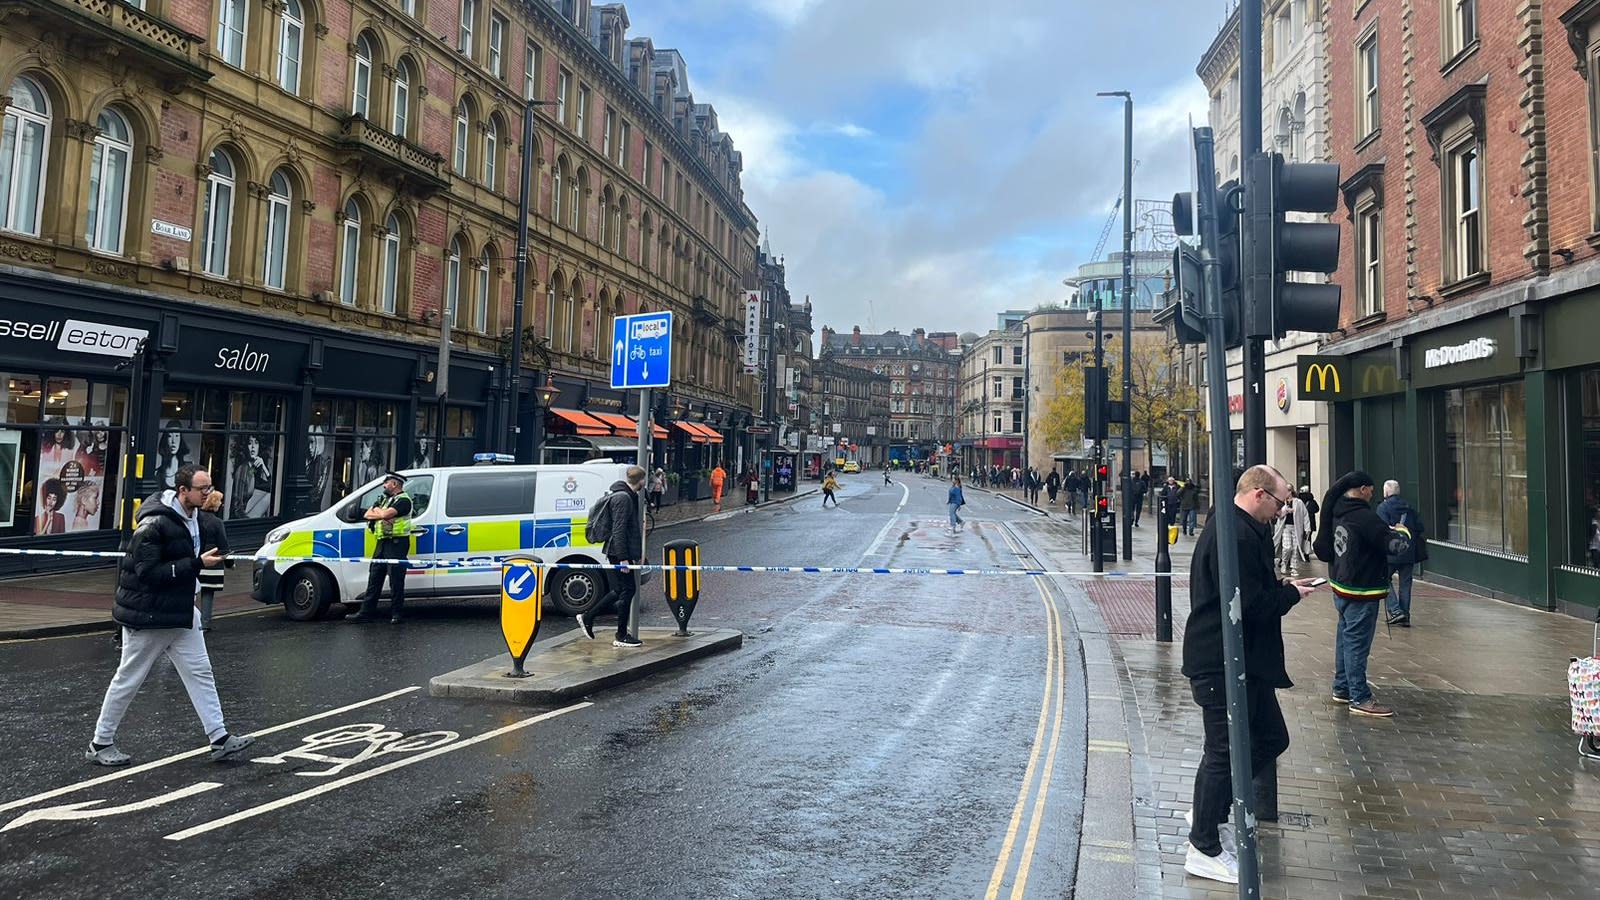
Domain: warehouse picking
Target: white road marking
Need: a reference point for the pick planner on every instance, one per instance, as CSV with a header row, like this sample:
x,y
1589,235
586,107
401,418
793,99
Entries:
x,y
321,789
872,548
91,809
134,770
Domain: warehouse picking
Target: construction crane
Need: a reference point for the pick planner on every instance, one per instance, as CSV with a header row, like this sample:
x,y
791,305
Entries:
x,y
1111,222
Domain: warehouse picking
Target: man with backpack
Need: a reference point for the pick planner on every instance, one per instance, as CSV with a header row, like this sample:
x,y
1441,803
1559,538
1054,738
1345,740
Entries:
x,y
1357,546
1394,510
614,524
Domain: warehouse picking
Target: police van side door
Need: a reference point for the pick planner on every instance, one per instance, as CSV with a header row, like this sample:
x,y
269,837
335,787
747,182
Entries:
x,y
356,543
483,518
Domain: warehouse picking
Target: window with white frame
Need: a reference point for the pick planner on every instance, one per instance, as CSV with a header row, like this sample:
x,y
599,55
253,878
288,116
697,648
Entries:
x,y
1463,192
218,215
491,153
400,119
1459,24
275,253
1016,421
480,305
23,152
389,287
1016,354
1369,258
563,92
575,200
607,139
469,16
558,175
231,16
361,78
409,7
649,162
108,183
580,113
497,42
349,252
624,138
532,58
463,134
291,34
452,281
999,422
997,387
1368,112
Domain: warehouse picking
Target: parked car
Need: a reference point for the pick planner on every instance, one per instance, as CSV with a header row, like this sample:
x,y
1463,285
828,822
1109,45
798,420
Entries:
x,y
851,467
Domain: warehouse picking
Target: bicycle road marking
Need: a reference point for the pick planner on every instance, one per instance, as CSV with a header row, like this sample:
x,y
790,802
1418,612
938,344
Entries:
x,y
189,754
321,789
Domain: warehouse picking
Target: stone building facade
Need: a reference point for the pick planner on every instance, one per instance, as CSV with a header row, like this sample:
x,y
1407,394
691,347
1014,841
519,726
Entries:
x,y
924,374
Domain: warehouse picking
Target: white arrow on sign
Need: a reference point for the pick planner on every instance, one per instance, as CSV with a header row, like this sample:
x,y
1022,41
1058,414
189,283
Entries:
x,y
620,351
645,373
517,583
91,809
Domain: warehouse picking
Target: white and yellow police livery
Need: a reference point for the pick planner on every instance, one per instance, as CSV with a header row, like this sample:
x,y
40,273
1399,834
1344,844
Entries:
x,y
473,515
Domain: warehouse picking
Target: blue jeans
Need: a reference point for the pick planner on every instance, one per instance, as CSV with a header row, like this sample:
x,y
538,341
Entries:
x,y
1189,517
1358,622
954,519
1400,591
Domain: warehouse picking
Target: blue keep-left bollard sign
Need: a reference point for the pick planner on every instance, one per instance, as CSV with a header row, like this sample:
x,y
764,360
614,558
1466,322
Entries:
x,y
641,351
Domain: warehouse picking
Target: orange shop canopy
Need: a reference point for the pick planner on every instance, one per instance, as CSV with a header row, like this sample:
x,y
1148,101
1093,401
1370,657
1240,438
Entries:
x,y
584,424
695,434
712,435
627,426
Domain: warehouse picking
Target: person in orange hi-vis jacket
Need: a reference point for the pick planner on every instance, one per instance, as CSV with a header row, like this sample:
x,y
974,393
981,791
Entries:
x,y
718,479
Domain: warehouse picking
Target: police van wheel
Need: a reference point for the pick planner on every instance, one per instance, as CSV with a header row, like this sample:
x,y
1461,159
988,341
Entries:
x,y
574,591
307,593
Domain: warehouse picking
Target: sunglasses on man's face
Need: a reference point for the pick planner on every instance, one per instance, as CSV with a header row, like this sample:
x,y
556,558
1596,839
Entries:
x,y
204,489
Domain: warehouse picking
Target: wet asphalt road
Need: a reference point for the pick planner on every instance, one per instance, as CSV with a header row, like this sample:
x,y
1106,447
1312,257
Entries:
x,y
876,736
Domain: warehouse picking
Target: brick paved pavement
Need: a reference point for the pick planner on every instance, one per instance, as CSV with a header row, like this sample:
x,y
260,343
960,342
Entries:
x,y
1473,790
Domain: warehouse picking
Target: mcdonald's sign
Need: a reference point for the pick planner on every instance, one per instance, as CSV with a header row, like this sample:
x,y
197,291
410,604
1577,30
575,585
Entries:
x,y
1324,378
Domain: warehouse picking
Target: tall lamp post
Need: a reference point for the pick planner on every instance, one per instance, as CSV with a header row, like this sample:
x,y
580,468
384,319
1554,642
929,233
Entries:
x,y
1127,317
524,213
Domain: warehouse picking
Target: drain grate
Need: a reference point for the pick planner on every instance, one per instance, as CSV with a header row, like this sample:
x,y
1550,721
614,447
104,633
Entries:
x,y
1301,821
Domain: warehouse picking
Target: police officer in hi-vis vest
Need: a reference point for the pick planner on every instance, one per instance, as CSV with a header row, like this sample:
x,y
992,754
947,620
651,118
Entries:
x,y
390,518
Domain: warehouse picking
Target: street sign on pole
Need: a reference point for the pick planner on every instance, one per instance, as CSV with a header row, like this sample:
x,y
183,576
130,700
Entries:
x,y
641,351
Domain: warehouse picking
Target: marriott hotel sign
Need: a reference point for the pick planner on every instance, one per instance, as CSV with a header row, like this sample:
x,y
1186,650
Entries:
x,y
1475,349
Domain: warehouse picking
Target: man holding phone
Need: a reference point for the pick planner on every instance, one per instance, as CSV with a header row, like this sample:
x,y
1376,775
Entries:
x,y
1265,600
157,583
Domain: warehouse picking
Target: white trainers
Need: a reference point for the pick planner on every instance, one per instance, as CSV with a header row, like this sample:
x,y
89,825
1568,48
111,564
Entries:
x,y
1224,831
1224,867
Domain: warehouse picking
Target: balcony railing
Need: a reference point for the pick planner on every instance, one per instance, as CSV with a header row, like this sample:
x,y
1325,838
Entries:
x,y
170,51
420,169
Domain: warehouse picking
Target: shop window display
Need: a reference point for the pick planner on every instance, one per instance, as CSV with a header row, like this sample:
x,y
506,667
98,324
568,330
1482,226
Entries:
x,y
1484,471
59,439
237,436
351,444
1585,549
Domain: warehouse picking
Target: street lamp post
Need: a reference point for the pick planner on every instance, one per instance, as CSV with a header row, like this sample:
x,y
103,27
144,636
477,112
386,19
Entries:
x,y
1127,318
524,212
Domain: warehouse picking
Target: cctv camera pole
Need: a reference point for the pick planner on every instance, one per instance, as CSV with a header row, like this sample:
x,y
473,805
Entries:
x,y
1226,524
1252,355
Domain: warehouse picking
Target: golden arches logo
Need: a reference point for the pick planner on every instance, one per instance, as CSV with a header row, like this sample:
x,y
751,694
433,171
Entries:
x,y
1324,372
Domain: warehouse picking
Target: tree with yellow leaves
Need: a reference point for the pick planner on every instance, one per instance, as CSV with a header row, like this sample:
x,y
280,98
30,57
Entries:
x,y
1159,396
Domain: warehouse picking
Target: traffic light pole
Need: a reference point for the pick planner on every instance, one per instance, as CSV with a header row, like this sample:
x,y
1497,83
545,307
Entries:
x,y
1225,522
1099,441
1252,358
1127,325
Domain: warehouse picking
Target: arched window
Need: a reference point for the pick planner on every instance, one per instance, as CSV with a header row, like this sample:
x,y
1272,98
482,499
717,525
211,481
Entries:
x,y
452,281
558,180
349,252
480,305
602,323
389,289
275,255
1300,144
361,78
400,121
491,151
645,236
230,31
218,215
22,156
605,216
569,309
291,31
576,205
463,132
550,309
108,183
619,234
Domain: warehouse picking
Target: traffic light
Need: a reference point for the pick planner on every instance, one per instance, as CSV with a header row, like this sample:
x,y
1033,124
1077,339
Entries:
x,y
1102,474
1094,403
1275,247
1103,504
1189,274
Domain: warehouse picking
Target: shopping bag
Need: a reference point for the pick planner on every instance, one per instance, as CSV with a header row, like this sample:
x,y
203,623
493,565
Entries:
x,y
1583,680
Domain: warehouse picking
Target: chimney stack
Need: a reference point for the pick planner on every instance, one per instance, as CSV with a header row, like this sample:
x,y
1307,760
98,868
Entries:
x,y
855,335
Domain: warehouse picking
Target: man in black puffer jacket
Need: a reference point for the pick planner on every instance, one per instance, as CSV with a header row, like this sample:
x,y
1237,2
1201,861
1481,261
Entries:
x,y
156,588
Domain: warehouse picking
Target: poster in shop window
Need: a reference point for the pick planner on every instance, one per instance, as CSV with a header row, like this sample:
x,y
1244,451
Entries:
x,y
72,463
10,471
172,453
250,470
319,469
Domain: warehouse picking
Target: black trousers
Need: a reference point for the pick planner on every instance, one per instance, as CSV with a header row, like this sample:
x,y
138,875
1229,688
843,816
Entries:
x,y
388,548
620,591
1213,782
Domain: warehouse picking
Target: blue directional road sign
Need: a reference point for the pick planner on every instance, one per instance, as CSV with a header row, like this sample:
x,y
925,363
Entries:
x,y
518,580
641,351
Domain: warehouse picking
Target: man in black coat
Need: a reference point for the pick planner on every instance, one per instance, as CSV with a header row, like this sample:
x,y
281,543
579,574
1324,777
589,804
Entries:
x,y
157,582
623,545
1265,600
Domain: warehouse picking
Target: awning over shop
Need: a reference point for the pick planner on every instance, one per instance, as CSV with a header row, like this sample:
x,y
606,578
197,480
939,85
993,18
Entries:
x,y
695,434
712,435
614,445
583,423
626,425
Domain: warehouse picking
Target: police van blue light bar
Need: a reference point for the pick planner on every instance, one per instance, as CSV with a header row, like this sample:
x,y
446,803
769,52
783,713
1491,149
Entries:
x,y
493,458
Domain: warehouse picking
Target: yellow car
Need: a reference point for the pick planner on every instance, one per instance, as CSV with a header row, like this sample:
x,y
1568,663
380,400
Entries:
x,y
851,467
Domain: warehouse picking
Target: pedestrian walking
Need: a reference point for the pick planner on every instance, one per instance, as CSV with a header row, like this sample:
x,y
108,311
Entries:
x,y
658,487
1357,546
1265,600
1138,486
157,584
719,477
213,536
389,519
1287,536
1189,504
1312,508
616,528
829,485
954,500
1395,511
1052,485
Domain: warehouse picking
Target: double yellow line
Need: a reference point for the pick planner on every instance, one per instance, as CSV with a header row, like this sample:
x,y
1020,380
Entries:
x,y
1035,780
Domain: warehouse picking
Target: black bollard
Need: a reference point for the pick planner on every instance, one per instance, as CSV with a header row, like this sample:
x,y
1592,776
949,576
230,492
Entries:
x,y
1163,581
681,586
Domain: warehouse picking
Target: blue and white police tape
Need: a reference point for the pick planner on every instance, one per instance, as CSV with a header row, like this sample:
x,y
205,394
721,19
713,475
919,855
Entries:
x,y
488,562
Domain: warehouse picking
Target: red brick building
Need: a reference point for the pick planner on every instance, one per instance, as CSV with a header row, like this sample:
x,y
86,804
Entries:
x,y
1469,354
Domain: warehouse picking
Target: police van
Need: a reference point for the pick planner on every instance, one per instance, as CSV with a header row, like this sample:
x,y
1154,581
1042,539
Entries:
x,y
464,520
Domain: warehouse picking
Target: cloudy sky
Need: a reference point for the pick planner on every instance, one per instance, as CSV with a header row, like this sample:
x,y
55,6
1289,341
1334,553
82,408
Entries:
x,y
932,162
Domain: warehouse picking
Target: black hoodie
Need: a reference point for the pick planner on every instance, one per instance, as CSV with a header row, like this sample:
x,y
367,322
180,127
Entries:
x,y
156,579
1361,545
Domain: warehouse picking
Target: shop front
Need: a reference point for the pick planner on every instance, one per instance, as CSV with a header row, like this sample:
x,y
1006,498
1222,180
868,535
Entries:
x,y
1296,427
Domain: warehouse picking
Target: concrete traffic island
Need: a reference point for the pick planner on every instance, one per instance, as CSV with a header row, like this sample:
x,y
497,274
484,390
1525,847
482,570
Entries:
x,y
572,666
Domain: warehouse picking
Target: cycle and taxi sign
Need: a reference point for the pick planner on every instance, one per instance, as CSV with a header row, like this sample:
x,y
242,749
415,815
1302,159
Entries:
x,y
641,351
520,607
